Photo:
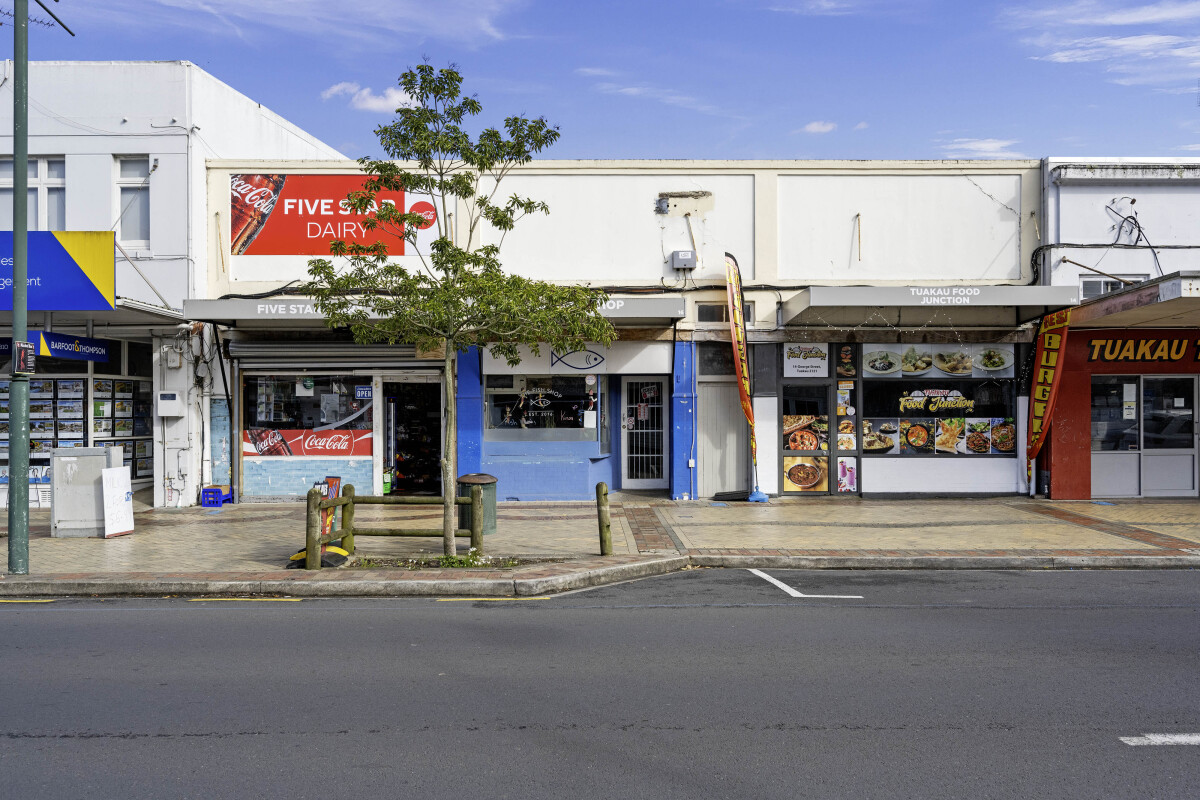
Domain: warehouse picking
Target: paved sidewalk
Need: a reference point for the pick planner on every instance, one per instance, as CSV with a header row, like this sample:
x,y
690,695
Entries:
x,y
242,549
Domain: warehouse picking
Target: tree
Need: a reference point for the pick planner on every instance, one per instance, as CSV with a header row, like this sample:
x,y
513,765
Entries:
x,y
459,296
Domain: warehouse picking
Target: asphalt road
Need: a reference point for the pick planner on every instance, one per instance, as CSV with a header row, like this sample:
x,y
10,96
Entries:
x,y
706,683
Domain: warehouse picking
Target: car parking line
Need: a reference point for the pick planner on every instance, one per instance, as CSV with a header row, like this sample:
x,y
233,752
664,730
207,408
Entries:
x,y
794,593
1161,739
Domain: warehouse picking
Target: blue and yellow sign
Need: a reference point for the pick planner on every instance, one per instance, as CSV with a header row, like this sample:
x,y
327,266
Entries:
x,y
68,271
78,348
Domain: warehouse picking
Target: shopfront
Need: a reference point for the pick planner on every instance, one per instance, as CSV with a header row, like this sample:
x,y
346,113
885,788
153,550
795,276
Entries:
x,y
556,424
898,418
1123,424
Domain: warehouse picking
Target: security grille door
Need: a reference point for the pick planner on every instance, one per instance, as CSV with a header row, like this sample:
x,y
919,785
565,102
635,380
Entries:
x,y
643,434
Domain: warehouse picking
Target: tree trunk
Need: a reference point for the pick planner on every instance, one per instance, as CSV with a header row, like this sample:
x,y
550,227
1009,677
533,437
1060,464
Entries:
x,y
450,453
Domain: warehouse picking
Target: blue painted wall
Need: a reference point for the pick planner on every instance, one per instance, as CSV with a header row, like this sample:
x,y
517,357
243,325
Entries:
x,y
683,422
470,412
293,477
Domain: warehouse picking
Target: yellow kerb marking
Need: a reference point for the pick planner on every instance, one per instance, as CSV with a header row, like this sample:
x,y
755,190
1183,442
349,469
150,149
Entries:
x,y
26,601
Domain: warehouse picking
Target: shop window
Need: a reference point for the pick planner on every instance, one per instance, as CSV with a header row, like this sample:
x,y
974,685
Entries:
x,y
1092,287
116,361
715,358
968,417
141,360
133,200
567,408
286,415
1115,417
47,198
719,313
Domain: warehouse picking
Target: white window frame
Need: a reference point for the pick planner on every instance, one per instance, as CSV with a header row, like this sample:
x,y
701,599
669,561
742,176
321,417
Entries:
x,y
120,183
1105,280
41,183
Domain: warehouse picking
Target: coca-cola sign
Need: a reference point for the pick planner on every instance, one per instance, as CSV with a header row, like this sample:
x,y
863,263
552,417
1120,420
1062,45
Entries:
x,y
299,215
264,442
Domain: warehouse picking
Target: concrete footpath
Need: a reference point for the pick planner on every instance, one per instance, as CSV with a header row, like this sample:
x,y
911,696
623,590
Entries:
x,y
243,549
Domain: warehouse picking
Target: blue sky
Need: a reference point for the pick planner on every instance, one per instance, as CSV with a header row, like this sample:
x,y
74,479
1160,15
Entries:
x,y
700,78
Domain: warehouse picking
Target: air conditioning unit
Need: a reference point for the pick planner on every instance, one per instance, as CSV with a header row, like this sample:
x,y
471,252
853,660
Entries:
x,y
683,259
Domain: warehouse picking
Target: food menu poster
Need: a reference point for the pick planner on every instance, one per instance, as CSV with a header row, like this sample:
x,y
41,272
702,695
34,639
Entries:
x,y
953,436
902,360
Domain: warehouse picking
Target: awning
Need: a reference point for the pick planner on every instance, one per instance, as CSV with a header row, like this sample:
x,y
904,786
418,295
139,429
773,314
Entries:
x,y
129,317
1028,301
1172,301
298,312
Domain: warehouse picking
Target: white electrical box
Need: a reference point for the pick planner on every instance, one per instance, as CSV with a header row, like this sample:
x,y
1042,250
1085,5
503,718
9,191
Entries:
x,y
169,404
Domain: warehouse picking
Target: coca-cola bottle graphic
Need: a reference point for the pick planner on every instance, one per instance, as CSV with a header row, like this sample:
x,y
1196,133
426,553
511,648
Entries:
x,y
251,200
269,442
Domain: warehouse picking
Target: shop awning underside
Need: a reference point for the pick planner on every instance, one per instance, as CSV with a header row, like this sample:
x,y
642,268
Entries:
x,y
129,317
990,308
1172,301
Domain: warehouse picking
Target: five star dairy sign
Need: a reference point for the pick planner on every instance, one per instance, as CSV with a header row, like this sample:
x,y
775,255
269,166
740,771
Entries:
x,y
68,271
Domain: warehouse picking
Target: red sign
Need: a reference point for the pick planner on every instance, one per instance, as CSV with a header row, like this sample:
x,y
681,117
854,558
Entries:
x,y
299,215
276,442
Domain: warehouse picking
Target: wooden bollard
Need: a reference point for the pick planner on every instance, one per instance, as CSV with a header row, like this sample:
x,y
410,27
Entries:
x,y
604,519
477,519
348,519
312,530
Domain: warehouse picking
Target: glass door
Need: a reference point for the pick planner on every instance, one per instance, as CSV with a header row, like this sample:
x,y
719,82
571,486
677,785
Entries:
x,y
1168,436
806,438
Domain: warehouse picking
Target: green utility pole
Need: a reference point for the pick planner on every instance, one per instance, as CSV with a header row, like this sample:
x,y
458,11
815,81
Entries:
x,y
18,398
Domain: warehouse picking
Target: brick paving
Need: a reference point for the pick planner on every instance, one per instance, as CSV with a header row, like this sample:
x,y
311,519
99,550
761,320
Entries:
x,y
252,542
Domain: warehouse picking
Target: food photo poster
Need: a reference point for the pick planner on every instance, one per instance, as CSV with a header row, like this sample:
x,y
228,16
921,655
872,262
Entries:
x,y
901,360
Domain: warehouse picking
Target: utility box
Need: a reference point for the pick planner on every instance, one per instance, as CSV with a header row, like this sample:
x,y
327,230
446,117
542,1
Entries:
x,y
683,259
77,489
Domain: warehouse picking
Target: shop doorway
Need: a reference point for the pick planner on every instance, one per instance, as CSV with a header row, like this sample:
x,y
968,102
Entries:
x,y
412,436
644,434
723,440
1168,436
1144,436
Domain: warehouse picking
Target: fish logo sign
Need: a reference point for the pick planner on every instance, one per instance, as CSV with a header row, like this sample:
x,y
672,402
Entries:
x,y
577,359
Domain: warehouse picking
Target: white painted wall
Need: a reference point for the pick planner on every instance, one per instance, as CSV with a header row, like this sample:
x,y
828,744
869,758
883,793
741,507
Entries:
x,y
900,229
1087,208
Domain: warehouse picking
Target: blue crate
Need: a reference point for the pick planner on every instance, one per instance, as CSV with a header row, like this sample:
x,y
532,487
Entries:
x,y
214,497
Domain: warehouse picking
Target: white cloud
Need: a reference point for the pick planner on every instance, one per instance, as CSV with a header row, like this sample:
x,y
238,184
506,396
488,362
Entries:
x,y
1189,147
596,72
378,21
818,126
366,99
1157,43
862,126
816,7
981,148
667,96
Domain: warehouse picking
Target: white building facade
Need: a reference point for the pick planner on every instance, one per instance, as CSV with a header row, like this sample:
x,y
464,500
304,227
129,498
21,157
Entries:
x,y
121,147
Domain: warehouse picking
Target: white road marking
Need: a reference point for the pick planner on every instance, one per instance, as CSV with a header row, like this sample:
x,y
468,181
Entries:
x,y
1162,738
794,593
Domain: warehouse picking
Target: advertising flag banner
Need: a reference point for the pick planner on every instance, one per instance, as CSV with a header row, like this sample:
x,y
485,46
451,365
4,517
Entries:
x,y
1047,377
737,331
299,215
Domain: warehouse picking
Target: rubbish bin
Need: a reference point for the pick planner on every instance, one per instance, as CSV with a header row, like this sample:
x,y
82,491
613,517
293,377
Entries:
x,y
488,484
